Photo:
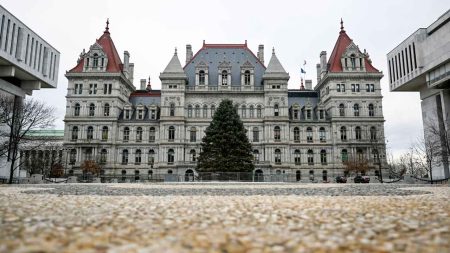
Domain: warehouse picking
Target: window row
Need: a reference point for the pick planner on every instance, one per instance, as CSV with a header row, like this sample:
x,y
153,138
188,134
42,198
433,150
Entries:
x,y
357,110
358,133
297,157
306,113
105,133
93,88
91,110
141,113
224,78
355,87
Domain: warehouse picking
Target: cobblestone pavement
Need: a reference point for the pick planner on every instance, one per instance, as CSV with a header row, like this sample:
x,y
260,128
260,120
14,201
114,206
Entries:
x,y
224,218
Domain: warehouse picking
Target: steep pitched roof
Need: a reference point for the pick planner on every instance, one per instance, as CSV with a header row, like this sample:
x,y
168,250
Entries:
x,y
341,45
174,65
274,65
114,62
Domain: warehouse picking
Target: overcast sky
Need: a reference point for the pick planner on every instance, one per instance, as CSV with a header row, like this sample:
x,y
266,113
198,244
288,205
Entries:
x,y
299,30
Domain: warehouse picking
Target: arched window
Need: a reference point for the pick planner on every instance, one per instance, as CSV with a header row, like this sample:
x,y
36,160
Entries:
x,y
90,133
311,175
310,157
172,110
255,134
213,110
192,154
197,111
277,156
297,158
151,135
277,133
296,134
371,110
343,133
325,176
359,154
258,111
91,109
344,155
247,77
106,110
252,111
171,133
103,154
276,111
323,157
193,134
244,111
73,156
309,134
150,174
151,157
95,62
139,134
298,175
105,133
205,111
341,110
256,155
125,156
358,133
373,133
124,175
136,175
189,111
126,134
169,172
224,77
138,156
356,110
77,110
74,133
322,134
170,156
201,77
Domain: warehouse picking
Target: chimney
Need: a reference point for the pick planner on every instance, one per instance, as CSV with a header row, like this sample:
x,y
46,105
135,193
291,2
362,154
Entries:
x,y
308,84
131,72
323,63
261,53
189,53
318,72
126,62
143,84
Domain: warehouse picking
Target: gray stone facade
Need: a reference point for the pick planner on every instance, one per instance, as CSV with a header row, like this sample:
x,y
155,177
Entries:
x,y
147,132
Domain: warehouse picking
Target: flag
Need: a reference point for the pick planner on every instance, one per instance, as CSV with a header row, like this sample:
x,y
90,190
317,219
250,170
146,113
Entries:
x,y
302,71
304,62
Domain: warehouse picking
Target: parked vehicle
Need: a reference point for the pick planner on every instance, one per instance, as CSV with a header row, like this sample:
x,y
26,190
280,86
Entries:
x,y
341,179
361,179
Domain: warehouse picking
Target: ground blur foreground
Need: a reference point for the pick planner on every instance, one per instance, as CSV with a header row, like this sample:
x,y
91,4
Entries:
x,y
224,217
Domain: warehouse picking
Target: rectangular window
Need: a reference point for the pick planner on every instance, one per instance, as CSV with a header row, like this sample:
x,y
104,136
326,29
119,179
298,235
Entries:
x,y
338,87
342,87
105,88
140,114
110,88
193,136
321,114
357,87
153,114
353,87
127,114
372,87
308,114
92,88
367,87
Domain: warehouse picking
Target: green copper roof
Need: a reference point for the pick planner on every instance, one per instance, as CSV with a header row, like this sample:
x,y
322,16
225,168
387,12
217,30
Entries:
x,y
46,133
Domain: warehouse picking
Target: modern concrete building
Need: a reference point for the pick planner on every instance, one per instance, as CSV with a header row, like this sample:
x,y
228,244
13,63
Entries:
x,y
305,132
27,63
421,63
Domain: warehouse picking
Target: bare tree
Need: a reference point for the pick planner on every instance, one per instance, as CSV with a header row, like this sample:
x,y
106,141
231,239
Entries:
x,y
21,116
357,165
426,156
436,130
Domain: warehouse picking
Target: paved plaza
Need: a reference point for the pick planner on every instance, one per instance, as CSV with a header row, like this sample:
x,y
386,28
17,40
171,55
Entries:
x,y
224,217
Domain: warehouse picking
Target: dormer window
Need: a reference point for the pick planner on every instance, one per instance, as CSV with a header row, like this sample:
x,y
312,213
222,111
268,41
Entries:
x,y
95,61
224,77
352,61
201,77
140,114
247,77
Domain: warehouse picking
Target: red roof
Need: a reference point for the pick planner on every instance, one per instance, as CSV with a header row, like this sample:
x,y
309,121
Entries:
x,y
114,62
144,93
341,45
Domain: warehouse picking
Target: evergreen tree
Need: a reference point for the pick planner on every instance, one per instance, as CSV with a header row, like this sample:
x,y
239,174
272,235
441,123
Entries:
x,y
225,146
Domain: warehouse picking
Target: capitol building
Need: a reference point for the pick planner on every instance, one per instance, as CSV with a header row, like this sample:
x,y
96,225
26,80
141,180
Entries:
x,y
309,132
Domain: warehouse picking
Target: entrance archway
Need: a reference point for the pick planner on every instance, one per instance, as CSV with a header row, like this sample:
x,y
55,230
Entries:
x,y
259,176
189,175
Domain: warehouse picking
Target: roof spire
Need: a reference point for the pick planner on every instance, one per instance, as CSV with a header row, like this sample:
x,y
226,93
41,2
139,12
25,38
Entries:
x,y
175,51
149,85
273,50
107,26
342,26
